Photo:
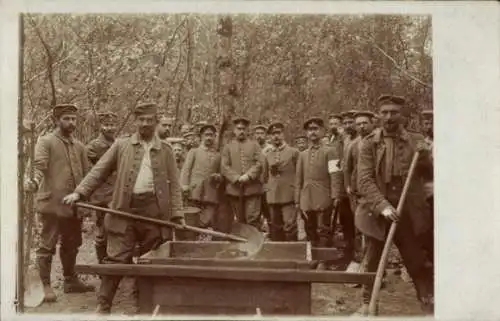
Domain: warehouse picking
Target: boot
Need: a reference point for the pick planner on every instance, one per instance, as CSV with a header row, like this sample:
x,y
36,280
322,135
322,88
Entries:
x,y
103,309
73,284
44,268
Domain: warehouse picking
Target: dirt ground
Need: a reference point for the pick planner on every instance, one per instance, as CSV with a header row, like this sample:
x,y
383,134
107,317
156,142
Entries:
x,y
397,298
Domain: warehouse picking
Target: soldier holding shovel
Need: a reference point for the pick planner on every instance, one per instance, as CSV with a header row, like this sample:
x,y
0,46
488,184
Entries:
x,y
147,184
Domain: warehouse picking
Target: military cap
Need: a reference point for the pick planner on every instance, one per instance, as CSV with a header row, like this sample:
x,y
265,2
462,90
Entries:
x,y
348,114
188,134
174,140
314,120
201,123
203,128
241,120
264,128
169,120
301,137
365,113
428,113
146,108
390,99
107,117
337,116
59,110
275,125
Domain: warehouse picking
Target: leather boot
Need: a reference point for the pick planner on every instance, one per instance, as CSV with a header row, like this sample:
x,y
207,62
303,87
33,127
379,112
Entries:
x,y
44,268
72,284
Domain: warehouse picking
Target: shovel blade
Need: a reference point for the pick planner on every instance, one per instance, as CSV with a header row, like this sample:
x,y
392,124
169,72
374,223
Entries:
x,y
243,250
354,267
33,293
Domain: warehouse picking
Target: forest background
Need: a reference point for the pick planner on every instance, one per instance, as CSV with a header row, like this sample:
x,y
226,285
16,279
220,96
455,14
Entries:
x,y
208,67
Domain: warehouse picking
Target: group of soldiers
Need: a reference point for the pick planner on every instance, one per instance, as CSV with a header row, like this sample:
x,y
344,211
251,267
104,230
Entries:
x,y
354,170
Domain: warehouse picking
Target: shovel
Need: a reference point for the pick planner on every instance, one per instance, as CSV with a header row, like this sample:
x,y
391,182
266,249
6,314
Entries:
x,y
248,238
372,308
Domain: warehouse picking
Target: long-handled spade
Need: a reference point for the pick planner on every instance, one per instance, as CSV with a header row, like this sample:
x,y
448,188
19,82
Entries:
x,y
372,308
248,240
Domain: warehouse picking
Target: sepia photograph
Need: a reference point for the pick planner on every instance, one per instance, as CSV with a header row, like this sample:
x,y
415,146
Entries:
x,y
236,164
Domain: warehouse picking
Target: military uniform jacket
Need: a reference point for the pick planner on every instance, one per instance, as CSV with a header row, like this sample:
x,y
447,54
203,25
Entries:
x,y
281,187
199,165
350,164
95,149
59,165
125,156
313,180
371,184
240,158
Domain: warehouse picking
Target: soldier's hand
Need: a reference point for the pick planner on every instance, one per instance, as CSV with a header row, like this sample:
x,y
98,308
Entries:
x,y
30,186
71,198
423,146
185,189
243,178
180,221
349,191
390,213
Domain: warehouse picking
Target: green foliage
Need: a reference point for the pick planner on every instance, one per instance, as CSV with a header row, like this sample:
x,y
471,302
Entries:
x,y
287,67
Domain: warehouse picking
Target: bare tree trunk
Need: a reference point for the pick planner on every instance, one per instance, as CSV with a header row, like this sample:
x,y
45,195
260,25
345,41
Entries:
x,y
227,87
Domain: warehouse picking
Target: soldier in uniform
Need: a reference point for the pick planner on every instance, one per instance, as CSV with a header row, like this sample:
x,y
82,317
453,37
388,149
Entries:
x,y
200,176
384,160
364,124
101,197
334,127
190,141
259,134
60,163
279,177
164,129
242,167
178,148
340,198
301,143
147,184
313,183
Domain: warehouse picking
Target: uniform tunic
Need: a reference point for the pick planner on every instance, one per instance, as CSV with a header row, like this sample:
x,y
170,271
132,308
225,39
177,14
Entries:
x,y
239,158
313,183
200,164
381,176
279,176
59,164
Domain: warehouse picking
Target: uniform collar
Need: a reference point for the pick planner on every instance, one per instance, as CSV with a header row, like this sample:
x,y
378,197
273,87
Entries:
x,y
104,139
156,142
280,148
312,146
380,133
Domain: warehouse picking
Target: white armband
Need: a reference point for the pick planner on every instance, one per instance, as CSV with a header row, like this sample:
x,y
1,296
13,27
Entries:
x,y
333,166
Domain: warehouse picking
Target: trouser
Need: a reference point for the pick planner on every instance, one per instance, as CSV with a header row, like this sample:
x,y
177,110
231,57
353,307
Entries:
x,y
100,236
207,213
318,230
121,246
358,236
251,208
428,238
69,230
346,218
266,211
283,222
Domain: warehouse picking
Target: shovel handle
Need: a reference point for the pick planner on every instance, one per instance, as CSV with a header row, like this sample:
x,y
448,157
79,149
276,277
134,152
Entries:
x,y
372,308
162,222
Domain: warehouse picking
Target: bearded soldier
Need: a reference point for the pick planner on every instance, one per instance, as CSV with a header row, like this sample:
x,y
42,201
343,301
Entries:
x,y
242,168
200,176
279,176
147,184
60,163
384,160
101,197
